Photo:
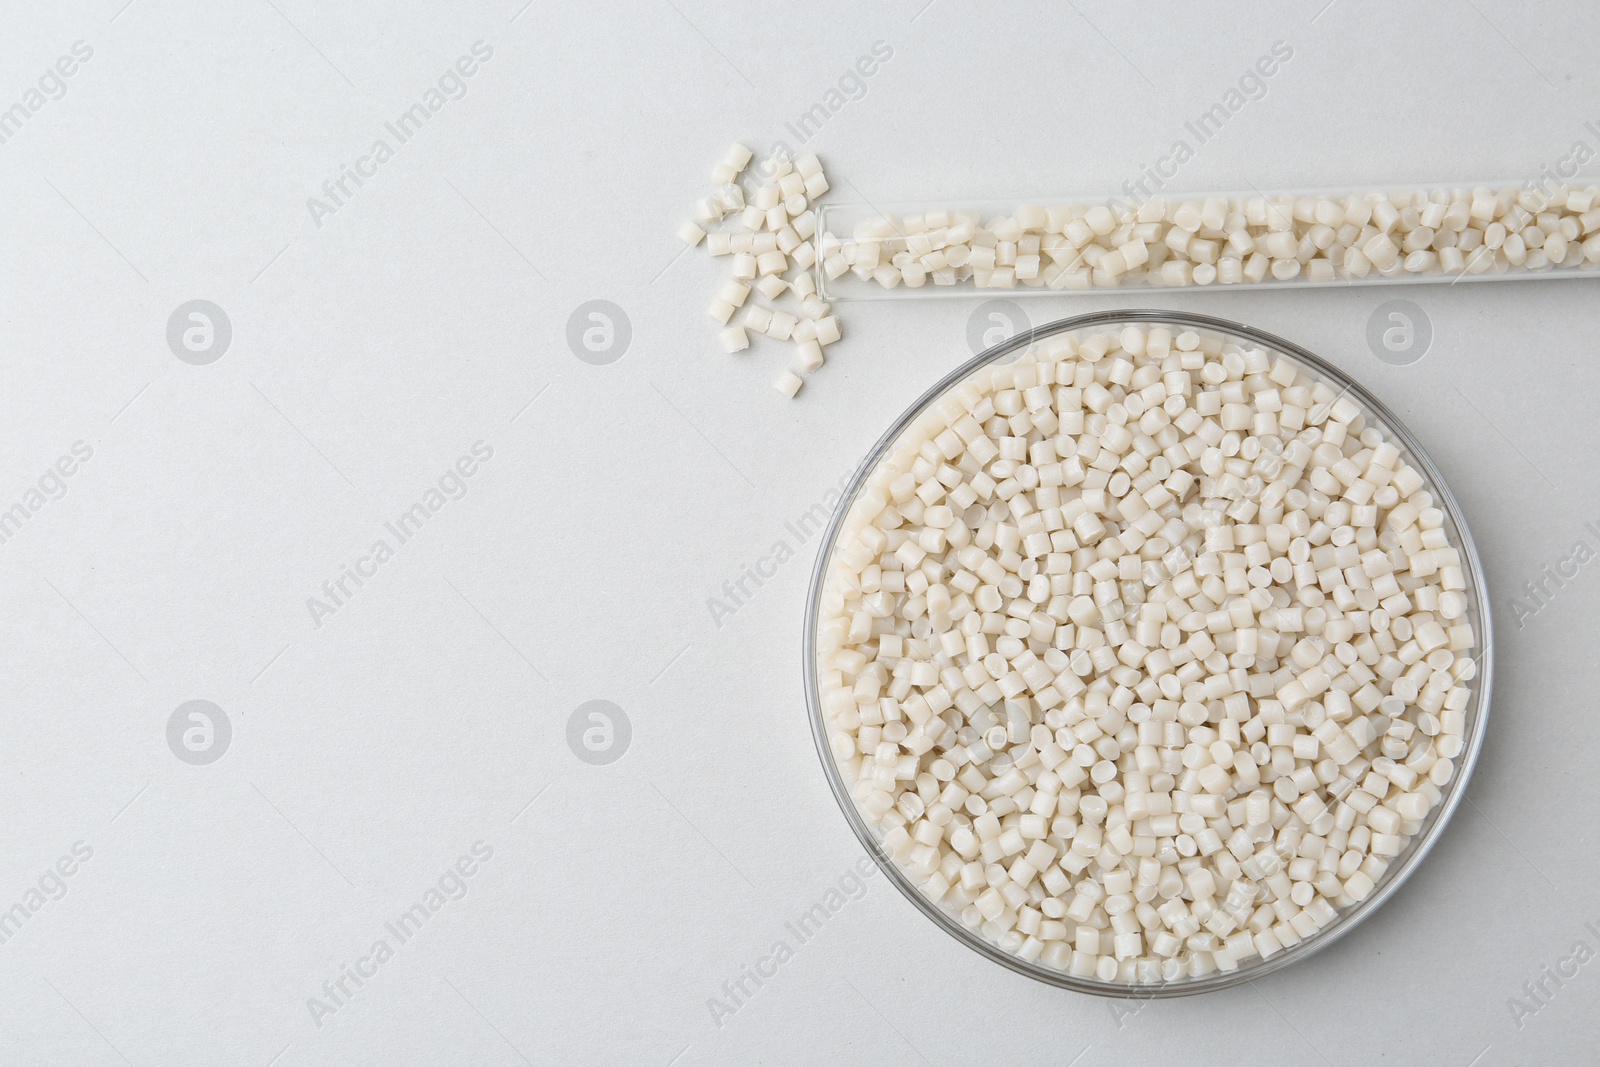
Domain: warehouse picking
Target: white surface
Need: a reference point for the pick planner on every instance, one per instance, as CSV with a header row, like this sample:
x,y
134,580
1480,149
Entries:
x,y
372,351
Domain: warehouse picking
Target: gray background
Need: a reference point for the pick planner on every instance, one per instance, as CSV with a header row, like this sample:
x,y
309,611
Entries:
x,y
430,312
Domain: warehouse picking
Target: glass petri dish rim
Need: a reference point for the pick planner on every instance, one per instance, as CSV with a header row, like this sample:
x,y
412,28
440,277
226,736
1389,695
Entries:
x,y
1416,851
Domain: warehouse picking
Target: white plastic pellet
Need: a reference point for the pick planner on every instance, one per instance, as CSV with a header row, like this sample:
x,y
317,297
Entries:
x,y
1131,717
734,339
773,262
737,157
781,325
690,234
757,318
708,210
788,383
